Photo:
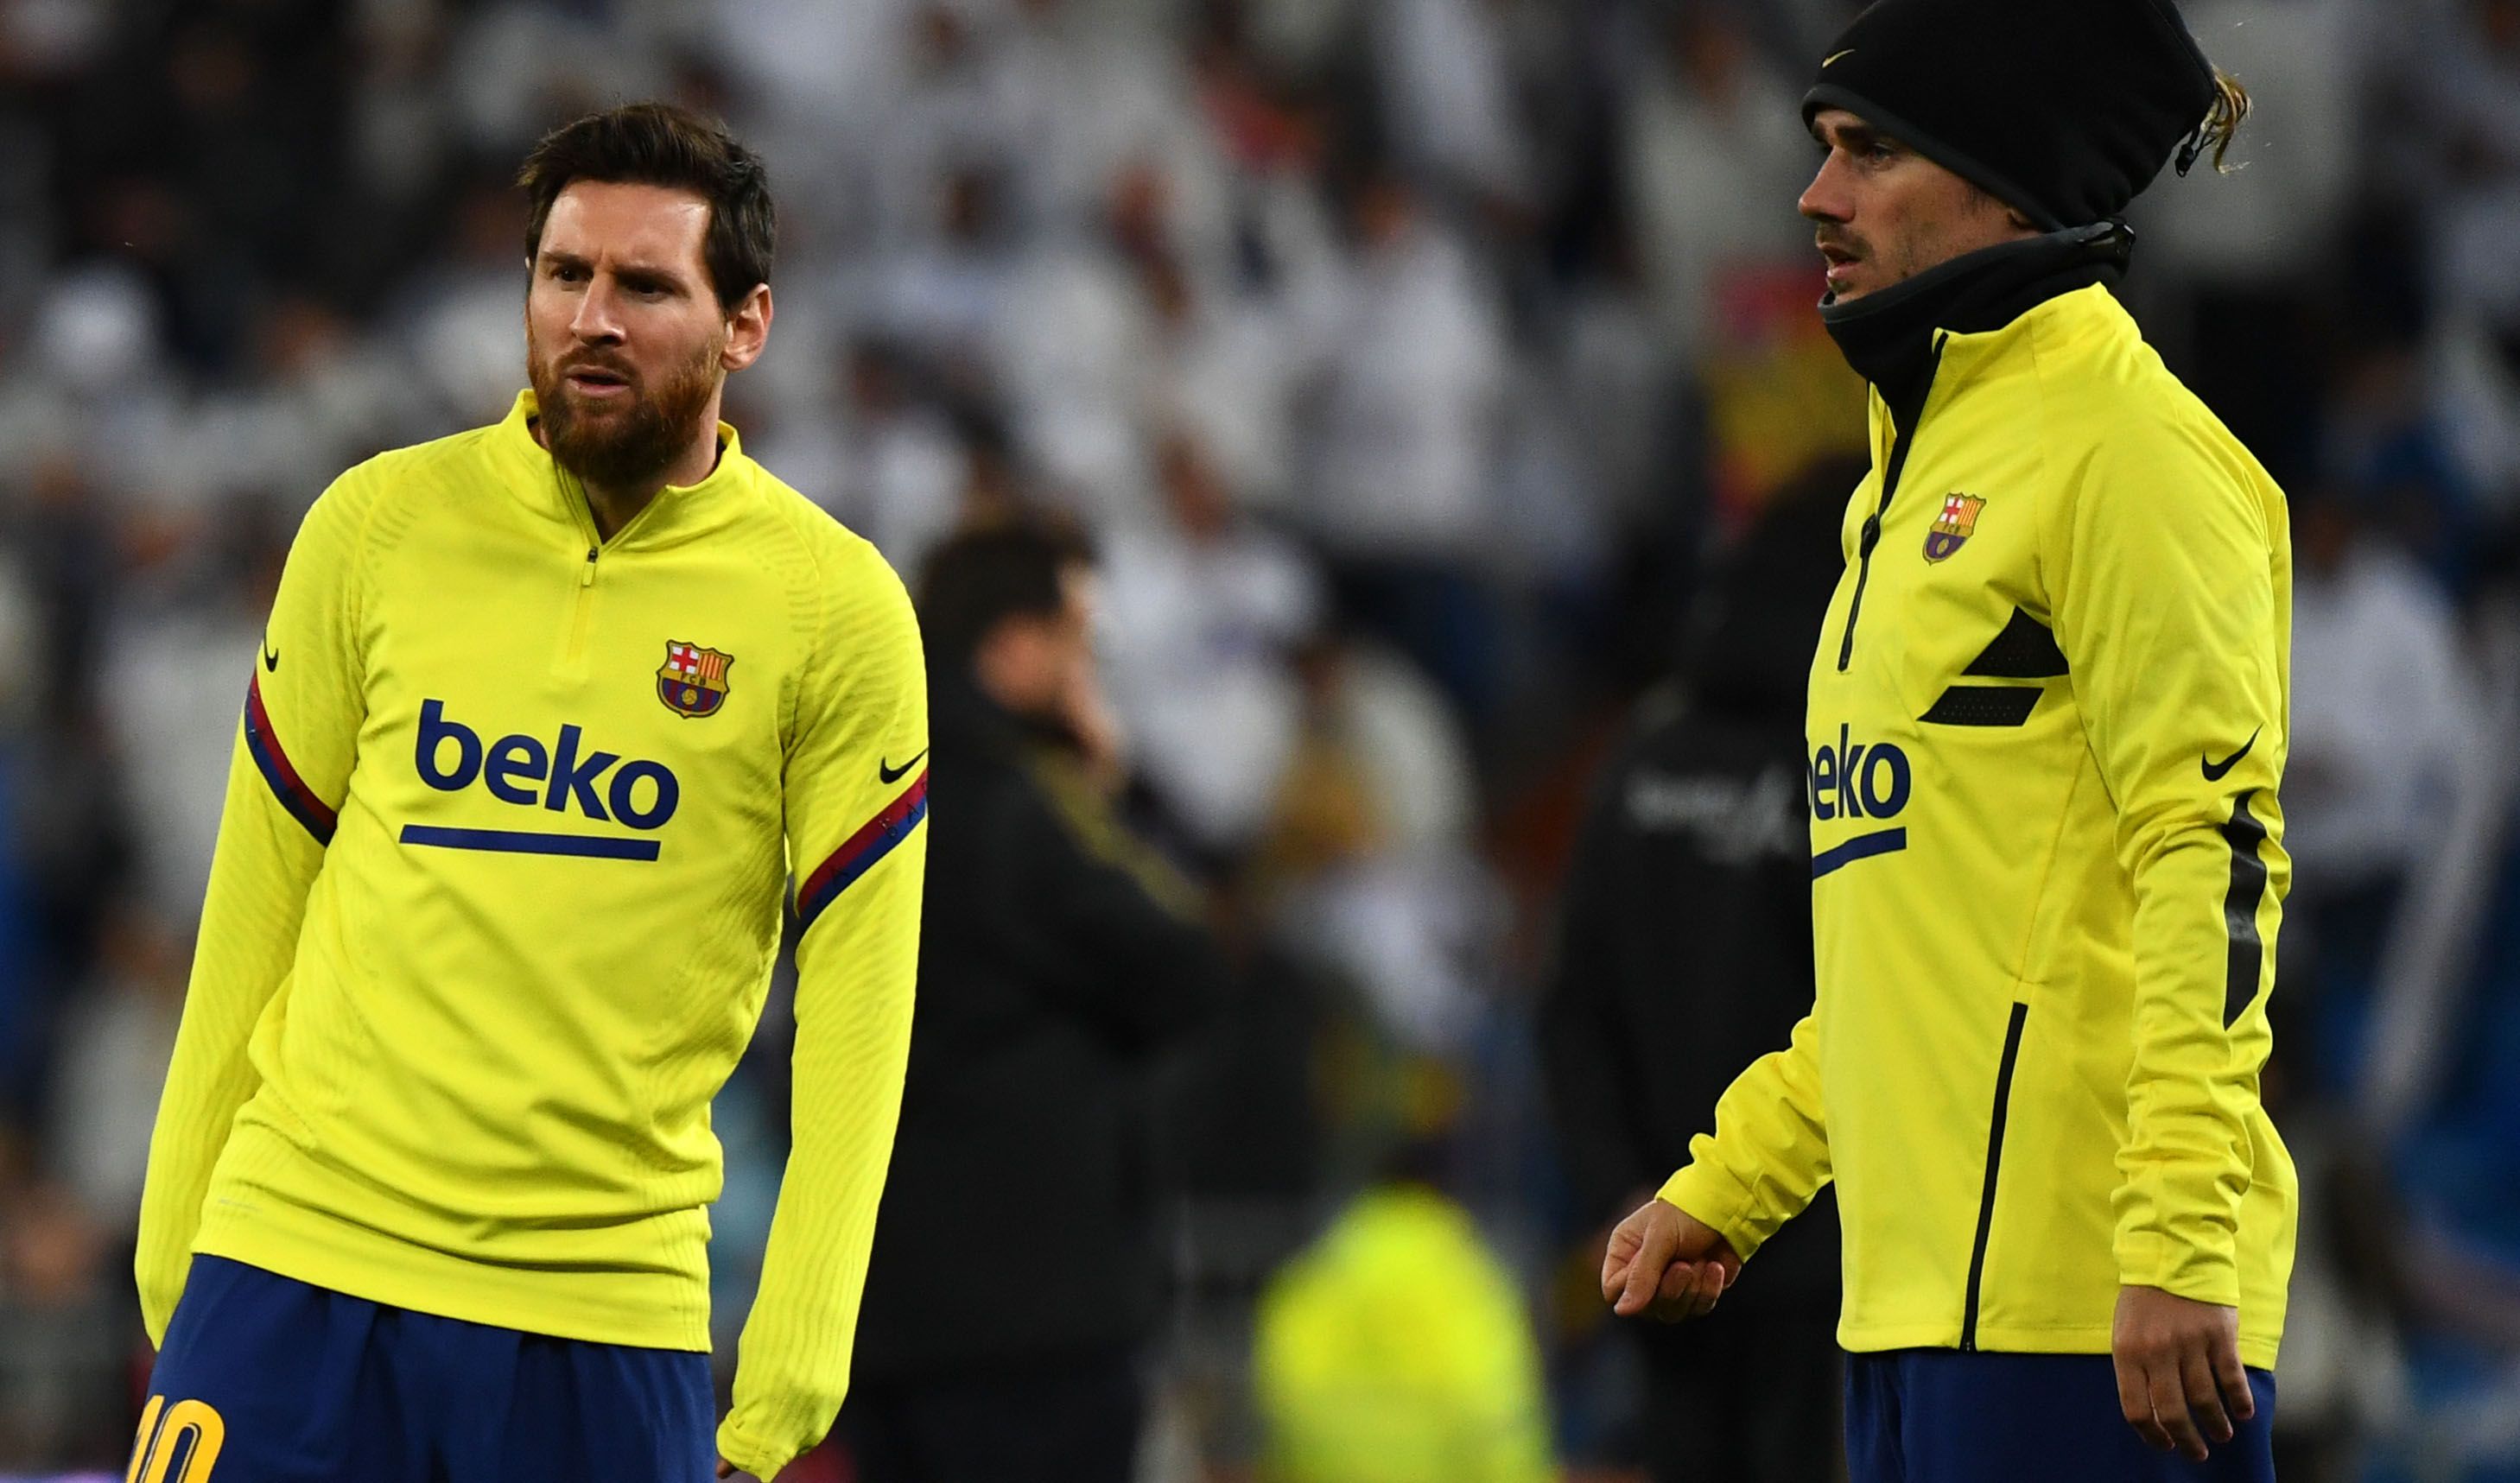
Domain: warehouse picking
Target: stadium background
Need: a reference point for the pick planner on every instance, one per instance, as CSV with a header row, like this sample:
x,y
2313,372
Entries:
x,y
1408,359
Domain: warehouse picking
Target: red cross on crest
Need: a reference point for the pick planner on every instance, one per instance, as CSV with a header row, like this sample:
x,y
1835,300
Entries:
x,y
1952,530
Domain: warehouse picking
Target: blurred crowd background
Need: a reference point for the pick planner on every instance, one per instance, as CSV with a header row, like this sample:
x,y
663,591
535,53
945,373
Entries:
x,y
1412,366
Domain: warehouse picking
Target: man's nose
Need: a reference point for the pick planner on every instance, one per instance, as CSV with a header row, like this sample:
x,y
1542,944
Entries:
x,y
1828,198
595,320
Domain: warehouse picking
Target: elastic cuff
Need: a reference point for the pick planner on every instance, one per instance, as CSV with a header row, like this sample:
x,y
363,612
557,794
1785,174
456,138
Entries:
x,y
749,1453
1708,1194
2152,1260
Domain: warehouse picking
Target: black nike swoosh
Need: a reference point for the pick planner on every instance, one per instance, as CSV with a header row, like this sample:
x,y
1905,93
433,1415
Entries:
x,y
270,658
2214,769
892,775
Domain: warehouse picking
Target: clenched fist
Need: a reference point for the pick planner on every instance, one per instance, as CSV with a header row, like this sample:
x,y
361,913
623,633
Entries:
x,y
1664,1261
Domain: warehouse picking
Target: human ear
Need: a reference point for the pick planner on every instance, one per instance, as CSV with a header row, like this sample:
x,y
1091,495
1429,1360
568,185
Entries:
x,y
747,329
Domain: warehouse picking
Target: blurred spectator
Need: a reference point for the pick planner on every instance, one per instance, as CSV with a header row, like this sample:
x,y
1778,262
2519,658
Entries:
x,y
1716,154
1397,1350
185,631
2390,453
1446,72
1089,93
1015,1275
1409,428
114,1044
943,291
1366,862
1685,953
2456,76
62,1351
900,468
89,406
2382,712
2381,702
1203,612
1076,339
459,315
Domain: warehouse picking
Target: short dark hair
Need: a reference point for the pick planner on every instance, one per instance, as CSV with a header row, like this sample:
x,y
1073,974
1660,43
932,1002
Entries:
x,y
982,578
661,144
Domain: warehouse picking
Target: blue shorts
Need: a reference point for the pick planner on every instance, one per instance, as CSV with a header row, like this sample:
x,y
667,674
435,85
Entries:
x,y
1941,1415
265,1379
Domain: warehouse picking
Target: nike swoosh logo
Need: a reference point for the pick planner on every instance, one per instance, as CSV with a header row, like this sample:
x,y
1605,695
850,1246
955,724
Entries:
x,y
892,775
270,658
1834,60
2214,769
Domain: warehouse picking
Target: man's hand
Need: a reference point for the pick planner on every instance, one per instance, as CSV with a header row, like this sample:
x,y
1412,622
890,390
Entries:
x,y
1664,1261
725,1469
2180,1378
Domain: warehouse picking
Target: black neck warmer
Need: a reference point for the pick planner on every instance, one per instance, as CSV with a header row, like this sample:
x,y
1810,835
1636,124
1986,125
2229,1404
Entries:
x,y
1888,336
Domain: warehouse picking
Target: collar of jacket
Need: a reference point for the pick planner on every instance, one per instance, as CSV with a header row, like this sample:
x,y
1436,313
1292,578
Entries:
x,y
962,718
552,490
1889,336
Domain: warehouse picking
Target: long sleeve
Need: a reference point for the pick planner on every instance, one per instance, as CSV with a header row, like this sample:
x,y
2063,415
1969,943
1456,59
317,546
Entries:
x,y
2166,575
856,799
287,777
1768,1153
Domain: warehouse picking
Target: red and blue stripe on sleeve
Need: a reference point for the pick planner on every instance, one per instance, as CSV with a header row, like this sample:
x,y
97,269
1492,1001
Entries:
x,y
291,790
859,854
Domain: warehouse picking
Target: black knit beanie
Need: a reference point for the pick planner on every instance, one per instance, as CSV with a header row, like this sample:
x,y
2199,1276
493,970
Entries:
x,y
2062,108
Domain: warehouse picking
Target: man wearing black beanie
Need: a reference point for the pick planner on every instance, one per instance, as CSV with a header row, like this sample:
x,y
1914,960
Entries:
x,y
2047,723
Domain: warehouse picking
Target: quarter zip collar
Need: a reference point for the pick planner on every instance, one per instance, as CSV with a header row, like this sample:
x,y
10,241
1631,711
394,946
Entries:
x,y
556,492
1897,340
1890,336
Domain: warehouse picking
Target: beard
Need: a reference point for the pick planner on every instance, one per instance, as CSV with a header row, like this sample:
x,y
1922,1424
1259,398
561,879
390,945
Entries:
x,y
625,447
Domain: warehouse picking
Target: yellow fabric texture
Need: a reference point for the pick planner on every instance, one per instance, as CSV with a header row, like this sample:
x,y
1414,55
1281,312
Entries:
x,y
497,893
2086,873
1396,1350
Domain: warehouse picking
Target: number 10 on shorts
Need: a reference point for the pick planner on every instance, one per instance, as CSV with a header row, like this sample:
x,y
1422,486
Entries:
x,y
191,1431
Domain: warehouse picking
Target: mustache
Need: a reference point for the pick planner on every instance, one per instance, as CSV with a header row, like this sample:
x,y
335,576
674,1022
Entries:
x,y
573,364
1827,239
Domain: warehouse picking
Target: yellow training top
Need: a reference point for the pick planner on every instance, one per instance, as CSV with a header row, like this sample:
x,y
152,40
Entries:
x,y
2047,722
496,897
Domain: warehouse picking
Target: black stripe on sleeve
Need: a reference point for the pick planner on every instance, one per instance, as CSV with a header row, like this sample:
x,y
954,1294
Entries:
x,y
2025,651
2244,833
1985,705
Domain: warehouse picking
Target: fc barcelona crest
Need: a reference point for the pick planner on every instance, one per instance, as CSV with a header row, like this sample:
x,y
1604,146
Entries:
x,y
1953,526
692,682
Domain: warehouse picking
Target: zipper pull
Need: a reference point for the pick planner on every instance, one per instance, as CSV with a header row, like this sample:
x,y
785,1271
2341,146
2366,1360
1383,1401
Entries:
x,y
586,578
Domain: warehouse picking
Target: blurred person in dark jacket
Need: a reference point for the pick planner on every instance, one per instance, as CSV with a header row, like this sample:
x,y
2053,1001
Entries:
x,y
62,1351
1014,1272
1685,953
